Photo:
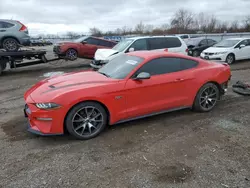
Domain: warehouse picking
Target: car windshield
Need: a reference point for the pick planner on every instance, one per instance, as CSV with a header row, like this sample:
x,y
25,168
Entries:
x,y
227,43
122,45
80,39
120,66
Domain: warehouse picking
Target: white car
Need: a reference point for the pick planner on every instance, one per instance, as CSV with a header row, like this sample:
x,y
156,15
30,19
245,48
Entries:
x,y
168,43
228,50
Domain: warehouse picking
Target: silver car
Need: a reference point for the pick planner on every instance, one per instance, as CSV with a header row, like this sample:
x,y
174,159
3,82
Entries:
x,y
13,34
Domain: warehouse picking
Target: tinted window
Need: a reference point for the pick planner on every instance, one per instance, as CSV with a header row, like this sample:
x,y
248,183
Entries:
x,y
160,66
164,42
245,42
203,42
6,25
92,41
187,64
104,43
156,43
120,66
172,42
210,41
140,44
184,36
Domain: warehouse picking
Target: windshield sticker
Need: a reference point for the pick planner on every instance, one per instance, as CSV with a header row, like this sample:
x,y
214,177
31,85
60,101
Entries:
x,y
131,62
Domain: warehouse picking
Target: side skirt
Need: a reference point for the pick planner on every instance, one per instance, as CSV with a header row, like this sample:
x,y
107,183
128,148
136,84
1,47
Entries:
x,y
152,114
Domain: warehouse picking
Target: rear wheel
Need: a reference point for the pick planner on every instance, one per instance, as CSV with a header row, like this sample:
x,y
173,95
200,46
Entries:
x,y
86,120
206,98
230,59
10,44
71,54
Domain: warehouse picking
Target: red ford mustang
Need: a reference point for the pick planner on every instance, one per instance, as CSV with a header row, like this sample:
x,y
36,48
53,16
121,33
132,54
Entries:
x,y
130,86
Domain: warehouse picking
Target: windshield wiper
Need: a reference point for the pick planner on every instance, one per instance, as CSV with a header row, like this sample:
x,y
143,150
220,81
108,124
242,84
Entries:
x,y
104,74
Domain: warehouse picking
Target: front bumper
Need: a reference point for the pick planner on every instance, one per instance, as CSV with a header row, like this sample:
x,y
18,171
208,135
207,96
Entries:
x,y
218,57
44,122
96,64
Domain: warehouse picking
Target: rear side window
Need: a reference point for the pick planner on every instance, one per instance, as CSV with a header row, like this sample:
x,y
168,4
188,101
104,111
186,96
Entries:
x,y
164,42
172,42
106,43
187,64
6,25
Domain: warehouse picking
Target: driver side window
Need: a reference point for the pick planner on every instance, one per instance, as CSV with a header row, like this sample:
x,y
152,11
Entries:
x,y
160,66
203,42
140,44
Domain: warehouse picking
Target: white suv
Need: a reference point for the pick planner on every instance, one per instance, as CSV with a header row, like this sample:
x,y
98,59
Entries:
x,y
228,50
168,43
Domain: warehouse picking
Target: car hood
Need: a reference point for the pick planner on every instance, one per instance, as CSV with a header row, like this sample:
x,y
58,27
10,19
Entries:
x,y
55,86
216,49
103,54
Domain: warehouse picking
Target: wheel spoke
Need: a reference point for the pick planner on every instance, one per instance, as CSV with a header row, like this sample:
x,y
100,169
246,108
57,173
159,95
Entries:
x,y
91,125
79,120
77,128
97,115
79,115
90,114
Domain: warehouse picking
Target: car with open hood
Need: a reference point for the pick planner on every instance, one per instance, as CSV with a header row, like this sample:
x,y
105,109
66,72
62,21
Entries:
x,y
84,47
158,43
131,86
228,50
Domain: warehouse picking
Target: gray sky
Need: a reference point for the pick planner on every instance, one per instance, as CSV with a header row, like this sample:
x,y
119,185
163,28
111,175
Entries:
x,y
57,16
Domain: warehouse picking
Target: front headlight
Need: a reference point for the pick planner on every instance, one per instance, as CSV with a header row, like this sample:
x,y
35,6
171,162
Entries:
x,y
218,53
47,105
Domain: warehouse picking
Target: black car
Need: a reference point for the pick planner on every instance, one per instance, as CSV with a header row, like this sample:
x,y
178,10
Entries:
x,y
197,45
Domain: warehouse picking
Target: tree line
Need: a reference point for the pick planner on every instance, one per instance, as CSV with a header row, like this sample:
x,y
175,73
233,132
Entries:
x,y
183,21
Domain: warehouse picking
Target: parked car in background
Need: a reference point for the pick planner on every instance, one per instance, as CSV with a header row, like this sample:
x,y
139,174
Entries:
x,y
197,45
82,47
160,43
13,34
228,50
131,86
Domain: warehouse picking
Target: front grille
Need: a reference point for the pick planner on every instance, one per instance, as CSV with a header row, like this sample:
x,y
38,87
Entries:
x,y
209,53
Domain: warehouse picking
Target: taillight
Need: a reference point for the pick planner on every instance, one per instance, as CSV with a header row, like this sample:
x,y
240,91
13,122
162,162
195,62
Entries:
x,y
23,27
166,50
187,50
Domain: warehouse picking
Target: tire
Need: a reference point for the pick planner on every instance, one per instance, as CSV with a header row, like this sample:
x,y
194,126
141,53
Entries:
x,y
71,54
84,125
196,53
230,59
10,44
206,98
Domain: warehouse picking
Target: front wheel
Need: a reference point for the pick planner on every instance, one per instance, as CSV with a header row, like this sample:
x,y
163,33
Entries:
x,y
206,98
86,120
196,53
230,59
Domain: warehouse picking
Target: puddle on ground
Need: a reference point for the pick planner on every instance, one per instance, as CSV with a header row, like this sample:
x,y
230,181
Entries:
x,y
50,74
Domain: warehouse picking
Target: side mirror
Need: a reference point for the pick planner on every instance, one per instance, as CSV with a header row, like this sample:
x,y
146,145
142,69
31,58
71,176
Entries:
x,y
242,46
131,49
142,76
84,42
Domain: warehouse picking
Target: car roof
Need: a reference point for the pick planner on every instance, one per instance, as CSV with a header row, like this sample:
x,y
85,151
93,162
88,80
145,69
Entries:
x,y
144,37
155,54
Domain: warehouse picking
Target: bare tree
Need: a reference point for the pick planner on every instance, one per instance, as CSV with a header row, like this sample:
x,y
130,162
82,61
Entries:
x,y
246,22
140,28
95,32
148,29
234,26
182,20
212,23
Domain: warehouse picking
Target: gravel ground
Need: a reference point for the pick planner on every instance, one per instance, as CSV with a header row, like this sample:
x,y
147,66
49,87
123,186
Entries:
x,y
181,149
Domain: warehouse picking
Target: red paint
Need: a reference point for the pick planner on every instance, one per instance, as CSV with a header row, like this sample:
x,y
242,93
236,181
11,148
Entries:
x,y
83,50
138,97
